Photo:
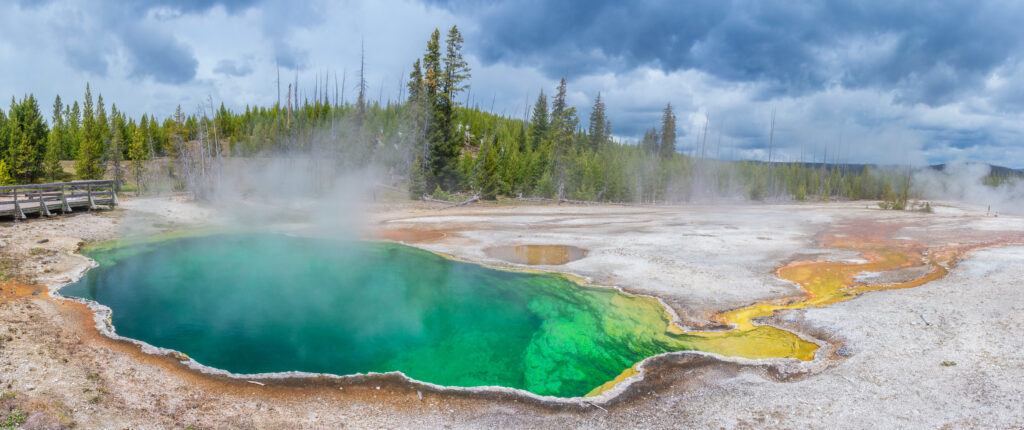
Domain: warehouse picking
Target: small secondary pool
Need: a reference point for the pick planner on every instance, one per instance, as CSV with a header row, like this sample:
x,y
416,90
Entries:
x,y
536,255
263,303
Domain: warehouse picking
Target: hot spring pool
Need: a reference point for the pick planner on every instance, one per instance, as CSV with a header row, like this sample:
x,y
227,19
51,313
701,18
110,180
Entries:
x,y
262,303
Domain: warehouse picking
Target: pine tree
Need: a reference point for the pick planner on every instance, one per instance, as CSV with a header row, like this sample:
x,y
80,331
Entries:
x,y
177,135
89,164
55,144
115,149
456,69
650,141
73,122
139,153
432,65
510,162
5,174
4,135
415,85
667,147
522,143
539,121
224,129
417,107
558,105
563,129
417,179
489,177
436,116
455,78
563,119
102,122
442,86
27,135
598,124
545,185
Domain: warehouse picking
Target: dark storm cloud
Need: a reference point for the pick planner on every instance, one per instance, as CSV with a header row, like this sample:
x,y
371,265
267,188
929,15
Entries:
x,y
233,68
634,122
159,56
957,138
85,57
929,52
162,57
283,18
290,57
90,43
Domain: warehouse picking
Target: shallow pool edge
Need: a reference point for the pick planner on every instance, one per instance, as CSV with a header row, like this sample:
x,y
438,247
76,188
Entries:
x,y
102,319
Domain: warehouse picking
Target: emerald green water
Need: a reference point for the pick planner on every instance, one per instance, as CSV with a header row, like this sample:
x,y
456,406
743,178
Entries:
x,y
260,303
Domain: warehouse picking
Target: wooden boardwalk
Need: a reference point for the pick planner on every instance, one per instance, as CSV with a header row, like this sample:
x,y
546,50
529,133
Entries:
x,y
18,201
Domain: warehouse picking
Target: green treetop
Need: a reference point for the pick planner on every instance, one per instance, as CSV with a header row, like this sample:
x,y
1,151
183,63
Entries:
x,y
667,148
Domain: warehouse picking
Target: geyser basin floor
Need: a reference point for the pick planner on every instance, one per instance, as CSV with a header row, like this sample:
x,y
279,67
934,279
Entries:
x,y
56,361
272,303
265,303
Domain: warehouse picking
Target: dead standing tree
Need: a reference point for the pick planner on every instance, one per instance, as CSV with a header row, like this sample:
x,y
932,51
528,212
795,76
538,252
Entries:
x,y
201,161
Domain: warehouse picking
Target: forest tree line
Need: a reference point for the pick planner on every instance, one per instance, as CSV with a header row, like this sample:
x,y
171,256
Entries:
x,y
427,140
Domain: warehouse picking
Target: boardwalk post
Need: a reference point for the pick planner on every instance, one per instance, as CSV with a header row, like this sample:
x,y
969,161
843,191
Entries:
x,y
43,207
92,203
65,207
18,214
113,195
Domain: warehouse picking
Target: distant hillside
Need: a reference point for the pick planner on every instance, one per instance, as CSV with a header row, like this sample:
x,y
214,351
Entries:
x,y
996,170
857,167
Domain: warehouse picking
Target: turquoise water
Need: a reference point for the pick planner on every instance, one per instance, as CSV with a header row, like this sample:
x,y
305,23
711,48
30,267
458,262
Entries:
x,y
258,303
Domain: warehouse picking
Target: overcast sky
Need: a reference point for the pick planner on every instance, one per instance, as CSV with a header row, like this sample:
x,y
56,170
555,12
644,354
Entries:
x,y
883,81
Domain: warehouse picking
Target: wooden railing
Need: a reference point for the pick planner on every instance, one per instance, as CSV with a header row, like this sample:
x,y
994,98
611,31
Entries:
x,y
17,201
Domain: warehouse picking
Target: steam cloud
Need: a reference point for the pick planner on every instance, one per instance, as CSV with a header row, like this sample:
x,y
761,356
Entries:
x,y
965,182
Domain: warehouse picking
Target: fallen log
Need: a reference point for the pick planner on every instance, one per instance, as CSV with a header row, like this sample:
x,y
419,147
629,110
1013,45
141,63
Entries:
x,y
574,202
468,201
